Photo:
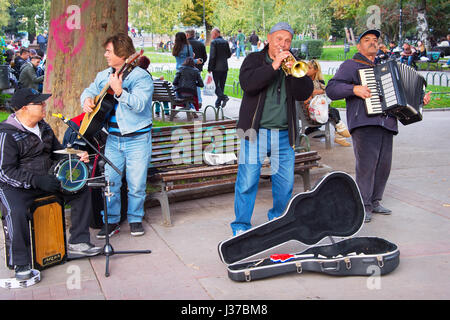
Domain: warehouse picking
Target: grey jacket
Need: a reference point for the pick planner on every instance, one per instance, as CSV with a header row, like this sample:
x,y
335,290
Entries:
x,y
28,77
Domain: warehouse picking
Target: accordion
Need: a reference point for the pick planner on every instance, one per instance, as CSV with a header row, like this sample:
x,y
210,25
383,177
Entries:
x,y
396,89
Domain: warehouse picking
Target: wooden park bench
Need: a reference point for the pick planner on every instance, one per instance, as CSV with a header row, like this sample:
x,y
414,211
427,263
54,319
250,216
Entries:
x,y
178,163
165,92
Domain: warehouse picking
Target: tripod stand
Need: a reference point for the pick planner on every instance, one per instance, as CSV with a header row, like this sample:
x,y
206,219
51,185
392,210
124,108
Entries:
x,y
104,184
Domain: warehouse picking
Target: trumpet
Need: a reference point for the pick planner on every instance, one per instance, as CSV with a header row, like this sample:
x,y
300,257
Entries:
x,y
298,69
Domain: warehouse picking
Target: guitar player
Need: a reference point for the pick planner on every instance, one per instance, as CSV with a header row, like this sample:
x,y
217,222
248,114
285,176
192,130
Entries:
x,y
129,125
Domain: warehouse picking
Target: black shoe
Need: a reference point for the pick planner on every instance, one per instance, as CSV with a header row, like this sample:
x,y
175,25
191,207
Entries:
x,y
368,216
112,229
224,102
22,272
136,229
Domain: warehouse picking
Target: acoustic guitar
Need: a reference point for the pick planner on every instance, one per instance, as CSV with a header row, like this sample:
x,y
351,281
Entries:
x,y
104,103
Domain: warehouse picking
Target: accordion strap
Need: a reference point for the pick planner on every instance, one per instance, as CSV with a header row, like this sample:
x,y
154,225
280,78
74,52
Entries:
x,y
364,62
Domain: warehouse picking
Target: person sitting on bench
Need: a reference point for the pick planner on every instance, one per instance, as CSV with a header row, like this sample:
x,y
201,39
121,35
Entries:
x,y
27,146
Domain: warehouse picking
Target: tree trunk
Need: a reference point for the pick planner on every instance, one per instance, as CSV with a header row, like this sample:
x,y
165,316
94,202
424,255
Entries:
x,y
422,24
77,31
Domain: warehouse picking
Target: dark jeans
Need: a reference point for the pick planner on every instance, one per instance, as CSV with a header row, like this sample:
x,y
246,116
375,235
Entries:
x,y
220,78
372,146
16,203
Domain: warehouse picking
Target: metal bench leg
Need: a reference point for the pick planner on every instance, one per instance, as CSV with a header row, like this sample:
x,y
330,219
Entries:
x,y
165,209
306,180
327,136
164,203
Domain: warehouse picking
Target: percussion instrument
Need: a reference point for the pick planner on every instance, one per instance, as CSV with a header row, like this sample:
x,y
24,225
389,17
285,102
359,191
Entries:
x,y
47,234
72,173
396,88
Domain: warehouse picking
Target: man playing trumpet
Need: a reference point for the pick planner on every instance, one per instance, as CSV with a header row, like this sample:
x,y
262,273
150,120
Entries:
x,y
268,124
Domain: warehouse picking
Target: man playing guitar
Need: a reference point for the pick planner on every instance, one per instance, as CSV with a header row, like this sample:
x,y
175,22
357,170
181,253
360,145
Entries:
x,y
129,126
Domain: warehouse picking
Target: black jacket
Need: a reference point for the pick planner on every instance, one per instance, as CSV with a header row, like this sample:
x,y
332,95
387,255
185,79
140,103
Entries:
x,y
23,155
187,79
219,54
255,77
200,52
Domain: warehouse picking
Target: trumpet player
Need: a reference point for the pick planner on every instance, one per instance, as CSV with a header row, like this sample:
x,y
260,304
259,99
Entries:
x,y
267,124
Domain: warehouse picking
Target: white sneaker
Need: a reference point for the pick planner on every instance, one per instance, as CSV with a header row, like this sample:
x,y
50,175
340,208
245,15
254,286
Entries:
x,y
84,249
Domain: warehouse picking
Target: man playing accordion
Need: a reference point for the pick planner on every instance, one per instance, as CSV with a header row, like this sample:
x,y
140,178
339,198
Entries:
x,y
372,135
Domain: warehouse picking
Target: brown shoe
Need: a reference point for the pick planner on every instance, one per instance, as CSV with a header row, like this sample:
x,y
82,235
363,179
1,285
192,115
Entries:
x,y
341,140
341,128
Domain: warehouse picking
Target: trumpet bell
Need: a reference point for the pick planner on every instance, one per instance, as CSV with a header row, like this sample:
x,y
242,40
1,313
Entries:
x,y
298,69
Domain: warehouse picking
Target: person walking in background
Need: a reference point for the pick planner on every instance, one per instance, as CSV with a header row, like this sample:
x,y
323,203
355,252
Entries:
x,y
218,65
254,40
240,44
200,54
42,40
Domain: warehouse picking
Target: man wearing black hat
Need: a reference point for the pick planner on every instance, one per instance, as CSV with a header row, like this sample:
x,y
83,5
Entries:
x,y
268,125
27,143
372,136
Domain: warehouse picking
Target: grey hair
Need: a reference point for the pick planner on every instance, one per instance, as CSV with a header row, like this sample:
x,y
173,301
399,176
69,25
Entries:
x,y
216,29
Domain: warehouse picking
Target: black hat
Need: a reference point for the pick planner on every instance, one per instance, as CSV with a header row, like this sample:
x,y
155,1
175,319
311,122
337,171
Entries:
x,y
371,31
25,96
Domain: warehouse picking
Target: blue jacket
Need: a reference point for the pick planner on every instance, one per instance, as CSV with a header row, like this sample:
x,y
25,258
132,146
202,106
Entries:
x,y
185,52
341,87
134,111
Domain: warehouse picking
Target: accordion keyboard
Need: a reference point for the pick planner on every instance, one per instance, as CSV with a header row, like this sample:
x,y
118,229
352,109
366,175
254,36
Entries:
x,y
373,104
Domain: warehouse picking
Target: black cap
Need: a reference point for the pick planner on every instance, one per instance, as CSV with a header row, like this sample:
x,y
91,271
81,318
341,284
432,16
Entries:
x,y
371,31
25,96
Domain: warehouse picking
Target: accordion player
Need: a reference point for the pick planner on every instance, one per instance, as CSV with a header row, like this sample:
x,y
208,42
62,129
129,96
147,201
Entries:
x,y
396,89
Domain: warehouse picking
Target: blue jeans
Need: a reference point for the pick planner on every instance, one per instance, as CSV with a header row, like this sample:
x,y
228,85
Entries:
x,y
410,60
239,49
132,154
274,144
158,107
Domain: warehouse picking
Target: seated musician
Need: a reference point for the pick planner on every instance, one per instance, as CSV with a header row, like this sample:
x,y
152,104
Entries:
x,y
372,136
129,125
26,156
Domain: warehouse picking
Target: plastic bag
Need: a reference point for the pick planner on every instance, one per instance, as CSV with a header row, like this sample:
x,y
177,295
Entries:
x,y
318,108
210,86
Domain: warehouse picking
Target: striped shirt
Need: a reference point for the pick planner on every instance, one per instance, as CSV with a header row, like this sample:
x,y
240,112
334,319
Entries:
x,y
113,127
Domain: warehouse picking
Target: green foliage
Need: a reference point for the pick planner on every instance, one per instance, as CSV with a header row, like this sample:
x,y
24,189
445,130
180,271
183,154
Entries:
x,y
314,47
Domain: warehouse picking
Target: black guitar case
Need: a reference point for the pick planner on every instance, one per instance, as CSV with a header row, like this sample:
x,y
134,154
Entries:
x,y
332,210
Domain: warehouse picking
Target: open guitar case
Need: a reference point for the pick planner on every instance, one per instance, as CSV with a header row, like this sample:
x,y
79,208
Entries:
x,y
332,211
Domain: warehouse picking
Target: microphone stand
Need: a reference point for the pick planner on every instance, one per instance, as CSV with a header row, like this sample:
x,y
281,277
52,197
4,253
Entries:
x,y
105,184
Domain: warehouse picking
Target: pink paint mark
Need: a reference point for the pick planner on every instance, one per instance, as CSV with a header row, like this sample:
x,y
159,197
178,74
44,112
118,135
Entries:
x,y
63,40
58,103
